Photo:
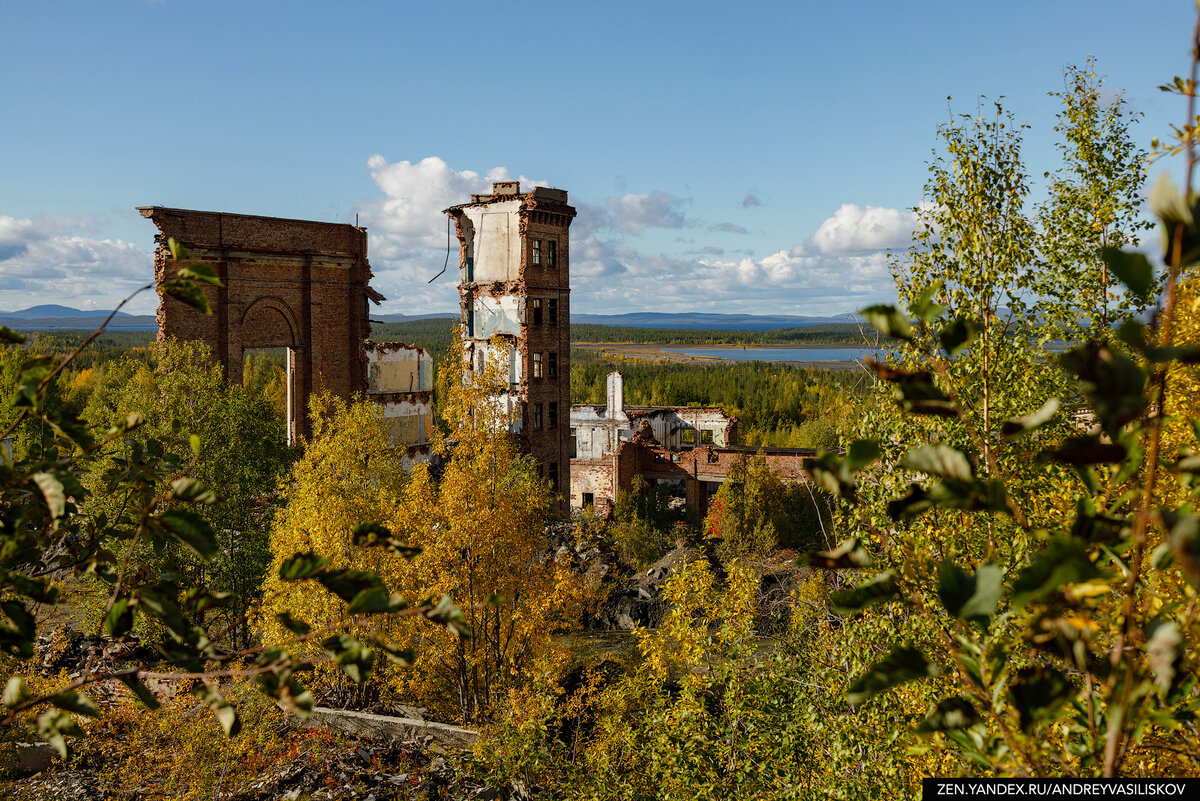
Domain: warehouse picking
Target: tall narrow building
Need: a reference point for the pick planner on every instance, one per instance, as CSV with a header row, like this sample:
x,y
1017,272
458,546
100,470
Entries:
x,y
515,285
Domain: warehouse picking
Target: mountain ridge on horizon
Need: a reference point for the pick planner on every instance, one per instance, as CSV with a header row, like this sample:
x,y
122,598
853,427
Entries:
x,y
55,316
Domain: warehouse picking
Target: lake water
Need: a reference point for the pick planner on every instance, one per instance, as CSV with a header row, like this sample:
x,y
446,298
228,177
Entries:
x,y
777,354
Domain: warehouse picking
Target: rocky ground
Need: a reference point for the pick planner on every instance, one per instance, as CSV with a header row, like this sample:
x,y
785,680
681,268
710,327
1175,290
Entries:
x,y
369,770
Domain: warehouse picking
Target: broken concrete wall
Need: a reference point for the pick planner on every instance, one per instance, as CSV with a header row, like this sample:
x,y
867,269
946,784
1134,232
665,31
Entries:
x,y
400,382
396,367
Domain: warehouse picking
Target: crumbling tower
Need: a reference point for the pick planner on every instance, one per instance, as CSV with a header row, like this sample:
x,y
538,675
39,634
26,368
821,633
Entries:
x,y
513,260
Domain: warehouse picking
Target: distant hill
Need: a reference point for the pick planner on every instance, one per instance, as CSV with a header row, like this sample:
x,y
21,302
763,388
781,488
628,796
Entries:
x,y
54,317
408,318
52,310
685,320
710,322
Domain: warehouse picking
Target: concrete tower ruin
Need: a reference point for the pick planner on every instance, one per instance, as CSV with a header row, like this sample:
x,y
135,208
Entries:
x,y
513,262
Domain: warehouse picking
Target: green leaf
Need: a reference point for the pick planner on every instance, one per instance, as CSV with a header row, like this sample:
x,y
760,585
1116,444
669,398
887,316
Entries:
x,y
348,584
188,293
191,530
178,251
970,597
231,722
351,656
914,503
1114,383
140,691
1133,333
375,534
71,701
939,460
1065,561
199,272
878,588
374,601
1030,422
888,320
1098,528
402,657
228,717
54,725
1134,271
832,474
1088,450
16,691
849,555
1167,202
52,490
959,333
1164,654
35,589
298,627
194,442
9,335
950,714
1036,692
118,621
448,614
192,490
924,309
861,453
301,566
902,664
20,629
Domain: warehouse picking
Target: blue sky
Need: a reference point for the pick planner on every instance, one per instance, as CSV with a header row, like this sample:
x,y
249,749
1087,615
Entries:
x,y
725,157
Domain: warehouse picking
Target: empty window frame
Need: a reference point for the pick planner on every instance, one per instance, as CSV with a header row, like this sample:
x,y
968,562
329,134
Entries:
x,y
537,310
706,436
552,421
554,476
689,436
574,445
552,309
552,365
536,254
537,417
537,365
551,253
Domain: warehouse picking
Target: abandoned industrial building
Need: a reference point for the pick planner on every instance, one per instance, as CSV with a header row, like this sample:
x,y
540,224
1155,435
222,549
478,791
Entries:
x,y
299,285
305,286
514,263
689,450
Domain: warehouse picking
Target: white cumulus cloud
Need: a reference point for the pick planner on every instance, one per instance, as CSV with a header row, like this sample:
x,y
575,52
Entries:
x,y
858,230
46,260
409,215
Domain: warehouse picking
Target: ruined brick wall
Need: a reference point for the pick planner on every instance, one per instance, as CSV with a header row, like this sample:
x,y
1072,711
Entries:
x,y
285,283
698,467
515,283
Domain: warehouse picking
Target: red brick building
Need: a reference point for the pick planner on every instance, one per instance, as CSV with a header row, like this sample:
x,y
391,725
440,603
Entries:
x,y
514,264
